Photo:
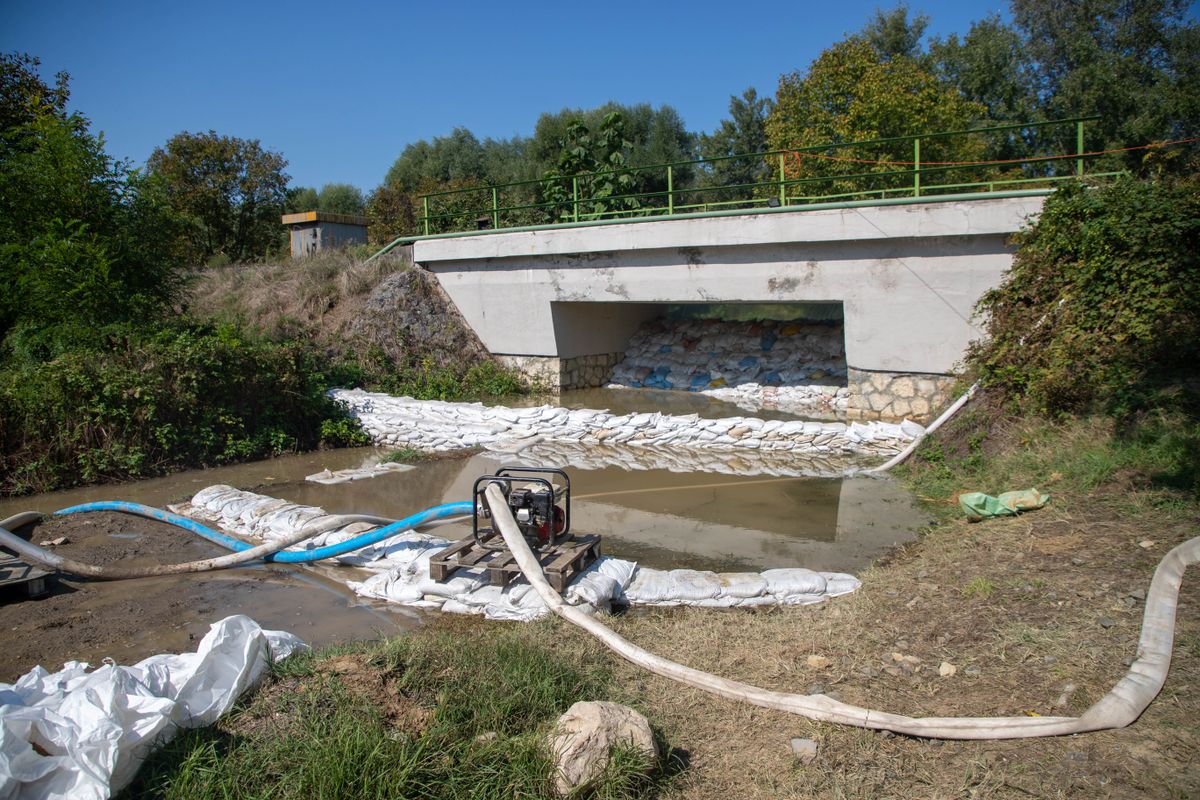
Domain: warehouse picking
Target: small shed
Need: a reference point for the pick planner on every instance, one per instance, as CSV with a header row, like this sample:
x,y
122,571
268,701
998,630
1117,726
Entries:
x,y
312,231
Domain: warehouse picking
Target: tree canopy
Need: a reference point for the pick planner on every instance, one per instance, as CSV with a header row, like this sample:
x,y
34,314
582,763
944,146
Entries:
x,y
231,190
853,93
745,131
84,240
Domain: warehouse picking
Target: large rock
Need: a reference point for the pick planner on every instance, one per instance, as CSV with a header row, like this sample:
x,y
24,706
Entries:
x,y
585,736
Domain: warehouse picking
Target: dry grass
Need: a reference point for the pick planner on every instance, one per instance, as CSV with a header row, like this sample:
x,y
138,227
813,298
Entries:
x,y
1053,634
303,293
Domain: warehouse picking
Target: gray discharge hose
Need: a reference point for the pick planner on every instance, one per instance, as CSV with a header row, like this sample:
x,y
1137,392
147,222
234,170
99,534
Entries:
x,y
114,573
1120,707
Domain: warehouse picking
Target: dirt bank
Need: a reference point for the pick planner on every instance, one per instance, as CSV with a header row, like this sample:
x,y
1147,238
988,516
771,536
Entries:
x,y
386,309
129,620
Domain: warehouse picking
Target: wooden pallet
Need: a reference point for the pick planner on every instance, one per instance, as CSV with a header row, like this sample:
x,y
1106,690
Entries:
x,y
561,563
16,573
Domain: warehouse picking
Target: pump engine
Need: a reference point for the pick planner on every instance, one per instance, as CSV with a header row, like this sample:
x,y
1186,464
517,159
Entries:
x,y
539,499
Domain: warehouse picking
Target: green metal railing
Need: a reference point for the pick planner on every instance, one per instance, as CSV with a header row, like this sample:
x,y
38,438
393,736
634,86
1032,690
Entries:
x,y
876,169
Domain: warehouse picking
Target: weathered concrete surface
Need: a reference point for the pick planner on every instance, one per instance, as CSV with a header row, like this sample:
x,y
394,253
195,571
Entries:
x,y
908,276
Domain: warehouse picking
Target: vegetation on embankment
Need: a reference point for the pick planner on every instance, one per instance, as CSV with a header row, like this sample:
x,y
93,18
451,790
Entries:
x,y
242,375
456,710
385,324
1100,315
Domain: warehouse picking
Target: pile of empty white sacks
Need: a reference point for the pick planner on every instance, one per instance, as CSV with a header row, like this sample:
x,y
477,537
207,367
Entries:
x,y
798,367
401,567
432,425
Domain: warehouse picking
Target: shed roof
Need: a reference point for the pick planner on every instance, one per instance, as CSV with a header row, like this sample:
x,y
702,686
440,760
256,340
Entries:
x,y
324,216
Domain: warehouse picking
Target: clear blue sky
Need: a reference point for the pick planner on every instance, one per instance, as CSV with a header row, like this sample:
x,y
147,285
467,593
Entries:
x,y
341,87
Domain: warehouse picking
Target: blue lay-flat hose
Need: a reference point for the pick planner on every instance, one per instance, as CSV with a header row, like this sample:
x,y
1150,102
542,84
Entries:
x,y
286,556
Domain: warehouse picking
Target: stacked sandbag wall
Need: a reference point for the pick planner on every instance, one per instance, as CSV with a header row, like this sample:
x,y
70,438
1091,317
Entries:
x,y
797,367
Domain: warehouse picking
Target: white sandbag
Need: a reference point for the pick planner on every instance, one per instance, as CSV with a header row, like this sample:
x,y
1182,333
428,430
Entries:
x,y
80,733
740,585
785,582
403,575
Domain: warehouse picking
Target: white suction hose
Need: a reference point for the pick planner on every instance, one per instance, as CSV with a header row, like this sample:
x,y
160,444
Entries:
x,y
937,423
1118,708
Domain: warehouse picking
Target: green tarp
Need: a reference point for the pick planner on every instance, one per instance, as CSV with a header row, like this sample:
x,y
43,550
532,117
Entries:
x,y
978,506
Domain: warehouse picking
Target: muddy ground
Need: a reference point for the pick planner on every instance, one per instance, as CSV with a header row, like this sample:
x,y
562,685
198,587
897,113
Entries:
x,y
129,620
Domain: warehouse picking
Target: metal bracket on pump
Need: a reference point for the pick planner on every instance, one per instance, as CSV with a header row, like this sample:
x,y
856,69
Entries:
x,y
539,503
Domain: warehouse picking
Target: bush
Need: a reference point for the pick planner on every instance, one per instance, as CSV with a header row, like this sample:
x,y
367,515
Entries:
x,y
141,401
1101,311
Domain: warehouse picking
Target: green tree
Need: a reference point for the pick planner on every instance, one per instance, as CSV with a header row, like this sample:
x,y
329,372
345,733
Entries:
x,y
84,240
654,136
852,93
232,191
300,199
894,35
593,165
459,156
24,96
341,198
1136,63
744,132
991,66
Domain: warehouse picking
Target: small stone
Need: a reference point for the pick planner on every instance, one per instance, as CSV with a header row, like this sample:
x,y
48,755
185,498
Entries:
x,y
947,670
1078,562
1138,594
805,750
901,645
1146,544
818,662
1106,622
972,671
54,542
816,688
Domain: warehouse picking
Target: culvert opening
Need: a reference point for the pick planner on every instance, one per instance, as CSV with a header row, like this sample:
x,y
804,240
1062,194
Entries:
x,y
788,357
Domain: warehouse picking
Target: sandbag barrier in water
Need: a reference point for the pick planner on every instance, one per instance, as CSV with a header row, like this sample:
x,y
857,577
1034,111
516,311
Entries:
x,y
433,425
401,567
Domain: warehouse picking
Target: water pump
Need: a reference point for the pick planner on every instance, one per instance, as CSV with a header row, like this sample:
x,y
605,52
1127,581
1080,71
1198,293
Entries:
x,y
539,499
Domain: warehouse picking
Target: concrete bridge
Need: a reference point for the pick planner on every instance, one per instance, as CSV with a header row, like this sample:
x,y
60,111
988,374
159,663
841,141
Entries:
x,y
560,304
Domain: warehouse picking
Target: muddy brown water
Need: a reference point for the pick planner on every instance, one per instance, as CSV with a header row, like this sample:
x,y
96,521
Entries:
x,y
658,518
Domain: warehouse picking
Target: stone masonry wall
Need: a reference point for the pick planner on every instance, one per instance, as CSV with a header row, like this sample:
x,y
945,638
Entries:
x,y
896,395
554,374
